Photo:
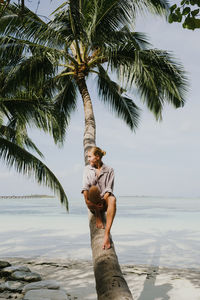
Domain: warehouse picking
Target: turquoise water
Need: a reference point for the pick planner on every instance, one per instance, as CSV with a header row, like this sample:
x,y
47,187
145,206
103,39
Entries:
x,y
146,230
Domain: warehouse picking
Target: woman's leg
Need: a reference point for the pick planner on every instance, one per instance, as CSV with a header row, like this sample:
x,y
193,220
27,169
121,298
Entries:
x,y
111,210
97,205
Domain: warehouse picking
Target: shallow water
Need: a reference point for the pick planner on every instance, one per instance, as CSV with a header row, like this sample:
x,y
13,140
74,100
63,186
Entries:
x,y
146,230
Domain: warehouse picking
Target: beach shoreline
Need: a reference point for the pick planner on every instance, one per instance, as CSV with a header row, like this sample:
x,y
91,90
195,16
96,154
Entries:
x,y
146,282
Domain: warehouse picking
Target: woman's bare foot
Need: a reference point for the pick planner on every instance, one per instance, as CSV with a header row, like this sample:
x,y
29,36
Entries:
x,y
106,242
99,223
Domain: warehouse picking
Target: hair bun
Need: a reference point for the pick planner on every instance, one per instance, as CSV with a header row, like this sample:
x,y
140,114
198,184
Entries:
x,y
103,152
97,151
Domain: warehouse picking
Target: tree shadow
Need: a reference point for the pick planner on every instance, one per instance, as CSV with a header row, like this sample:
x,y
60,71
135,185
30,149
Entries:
x,y
44,242
175,250
150,290
183,244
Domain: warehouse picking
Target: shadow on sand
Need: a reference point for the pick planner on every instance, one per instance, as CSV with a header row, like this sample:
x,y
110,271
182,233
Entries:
x,y
150,290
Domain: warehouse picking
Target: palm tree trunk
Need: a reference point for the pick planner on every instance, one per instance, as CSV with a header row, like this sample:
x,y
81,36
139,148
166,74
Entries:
x,y
110,283
89,138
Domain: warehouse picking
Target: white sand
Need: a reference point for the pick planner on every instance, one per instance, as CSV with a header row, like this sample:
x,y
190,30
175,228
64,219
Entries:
x,y
145,282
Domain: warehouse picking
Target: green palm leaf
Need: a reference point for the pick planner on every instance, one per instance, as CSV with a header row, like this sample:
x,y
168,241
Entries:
x,y
30,27
65,99
14,135
102,18
28,164
28,111
155,73
31,111
111,93
31,72
160,7
159,79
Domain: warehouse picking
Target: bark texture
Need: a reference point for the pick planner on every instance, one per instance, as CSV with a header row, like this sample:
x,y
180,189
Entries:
x,y
90,126
110,283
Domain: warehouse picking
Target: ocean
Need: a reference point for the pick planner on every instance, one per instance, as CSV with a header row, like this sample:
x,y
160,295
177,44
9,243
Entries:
x,y
147,230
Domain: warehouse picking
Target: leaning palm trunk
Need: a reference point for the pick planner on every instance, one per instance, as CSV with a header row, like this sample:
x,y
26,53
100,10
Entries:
x,y
110,283
90,126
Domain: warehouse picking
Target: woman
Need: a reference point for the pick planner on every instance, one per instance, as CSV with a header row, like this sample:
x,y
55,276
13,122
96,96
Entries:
x,y
98,182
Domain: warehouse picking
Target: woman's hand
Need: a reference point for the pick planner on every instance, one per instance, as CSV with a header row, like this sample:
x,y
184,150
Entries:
x,y
94,206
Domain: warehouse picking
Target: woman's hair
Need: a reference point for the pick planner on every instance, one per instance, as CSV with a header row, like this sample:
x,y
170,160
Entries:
x,y
97,151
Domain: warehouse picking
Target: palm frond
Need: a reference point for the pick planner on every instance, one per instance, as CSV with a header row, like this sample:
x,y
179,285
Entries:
x,y
155,73
160,7
103,18
1,118
62,26
29,165
12,135
30,27
34,112
111,94
64,103
65,100
30,73
44,115
75,17
10,51
126,37
11,47
28,110
159,79
122,43
60,7
120,40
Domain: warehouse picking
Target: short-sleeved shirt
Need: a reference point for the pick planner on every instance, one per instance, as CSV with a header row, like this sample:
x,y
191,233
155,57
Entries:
x,y
105,180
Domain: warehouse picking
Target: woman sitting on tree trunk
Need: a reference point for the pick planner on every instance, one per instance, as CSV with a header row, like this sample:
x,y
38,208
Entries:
x,y
98,182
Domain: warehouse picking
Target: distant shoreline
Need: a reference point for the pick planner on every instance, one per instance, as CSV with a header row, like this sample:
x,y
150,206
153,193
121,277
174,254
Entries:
x,y
26,196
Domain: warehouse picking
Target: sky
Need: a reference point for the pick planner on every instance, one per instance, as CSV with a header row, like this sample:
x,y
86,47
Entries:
x,y
159,159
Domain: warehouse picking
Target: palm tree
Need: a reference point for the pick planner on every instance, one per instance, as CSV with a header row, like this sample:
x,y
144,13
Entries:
x,y
15,145
18,111
20,108
92,40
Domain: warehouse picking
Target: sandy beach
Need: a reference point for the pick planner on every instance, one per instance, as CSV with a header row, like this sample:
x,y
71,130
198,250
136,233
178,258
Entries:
x,y
156,240
145,282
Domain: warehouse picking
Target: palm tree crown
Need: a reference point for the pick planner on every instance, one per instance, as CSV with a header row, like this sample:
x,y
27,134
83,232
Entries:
x,y
47,63
91,37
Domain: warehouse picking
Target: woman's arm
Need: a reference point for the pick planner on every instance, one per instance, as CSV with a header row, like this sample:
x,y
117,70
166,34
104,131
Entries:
x,y
85,194
89,204
109,185
106,195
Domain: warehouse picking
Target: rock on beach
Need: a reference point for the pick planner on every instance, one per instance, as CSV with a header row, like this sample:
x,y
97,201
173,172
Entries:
x,y
45,294
44,284
4,264
35,289
26,276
